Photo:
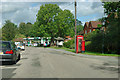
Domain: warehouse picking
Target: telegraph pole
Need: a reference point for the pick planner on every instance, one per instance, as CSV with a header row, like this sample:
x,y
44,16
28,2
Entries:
x,y
75,25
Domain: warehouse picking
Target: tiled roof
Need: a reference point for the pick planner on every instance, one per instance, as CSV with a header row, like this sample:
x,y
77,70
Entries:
x,y
67,37
18,39
95,24
87,23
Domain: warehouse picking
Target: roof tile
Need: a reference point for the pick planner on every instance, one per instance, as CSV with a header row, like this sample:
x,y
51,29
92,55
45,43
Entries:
x,y
95,24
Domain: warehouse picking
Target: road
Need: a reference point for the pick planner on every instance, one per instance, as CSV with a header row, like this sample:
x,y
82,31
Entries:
x,y
39,62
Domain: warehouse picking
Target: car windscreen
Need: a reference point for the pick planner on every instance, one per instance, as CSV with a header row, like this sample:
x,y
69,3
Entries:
x,y
5,45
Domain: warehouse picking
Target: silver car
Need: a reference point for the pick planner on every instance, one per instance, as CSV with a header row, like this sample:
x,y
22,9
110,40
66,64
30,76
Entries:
x,y
9,52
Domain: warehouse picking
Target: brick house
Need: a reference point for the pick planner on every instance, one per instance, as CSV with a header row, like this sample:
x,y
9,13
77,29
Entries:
x,y
86,27
18,40
91,26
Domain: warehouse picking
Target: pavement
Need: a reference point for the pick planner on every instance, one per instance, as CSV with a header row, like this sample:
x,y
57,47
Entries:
x,y
38,62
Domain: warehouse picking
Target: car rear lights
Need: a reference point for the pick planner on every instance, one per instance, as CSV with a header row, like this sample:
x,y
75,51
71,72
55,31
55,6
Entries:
x,y
9,52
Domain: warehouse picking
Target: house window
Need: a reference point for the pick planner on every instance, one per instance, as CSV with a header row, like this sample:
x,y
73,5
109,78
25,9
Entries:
x,y
85,31
90,30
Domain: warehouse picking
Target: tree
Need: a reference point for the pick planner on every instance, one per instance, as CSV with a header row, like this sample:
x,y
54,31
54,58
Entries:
x,y
101,19
110,38
112,9
28,28
53,22
65,23
22,28
8,30
79,26
35,31
25,29
19,36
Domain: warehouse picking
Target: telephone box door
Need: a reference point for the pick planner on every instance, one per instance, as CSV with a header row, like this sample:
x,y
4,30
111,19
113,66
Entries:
x,y
79,43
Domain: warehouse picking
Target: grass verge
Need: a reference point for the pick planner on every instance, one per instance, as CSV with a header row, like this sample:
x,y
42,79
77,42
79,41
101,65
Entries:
x,y
86,52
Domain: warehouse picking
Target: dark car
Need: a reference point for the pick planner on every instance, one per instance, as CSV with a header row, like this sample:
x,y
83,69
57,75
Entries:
x,y
9,52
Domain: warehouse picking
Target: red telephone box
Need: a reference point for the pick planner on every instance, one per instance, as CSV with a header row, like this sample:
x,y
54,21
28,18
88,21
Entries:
x,y
80,44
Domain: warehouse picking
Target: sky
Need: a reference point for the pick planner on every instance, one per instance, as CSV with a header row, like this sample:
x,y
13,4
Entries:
x,y
24,11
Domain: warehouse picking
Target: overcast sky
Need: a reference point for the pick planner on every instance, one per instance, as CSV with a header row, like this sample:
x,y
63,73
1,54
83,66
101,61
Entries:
x,y
26,11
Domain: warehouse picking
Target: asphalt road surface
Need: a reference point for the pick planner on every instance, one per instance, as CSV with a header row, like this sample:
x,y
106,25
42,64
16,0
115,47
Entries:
x,y
39,62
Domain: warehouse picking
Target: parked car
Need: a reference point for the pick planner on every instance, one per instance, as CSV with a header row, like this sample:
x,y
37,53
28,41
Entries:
x,y
9,52
16,43
35,44
29,44
21,46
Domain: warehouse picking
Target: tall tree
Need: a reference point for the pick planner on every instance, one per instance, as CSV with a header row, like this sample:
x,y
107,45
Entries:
x,y
22,28
45,20
110,38
112,9
28,28
65,23
79,26
8,30
25,29
53,22
19,36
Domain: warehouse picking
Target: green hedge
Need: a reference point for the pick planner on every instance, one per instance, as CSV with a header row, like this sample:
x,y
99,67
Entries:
x,y
70,44
102,43
96,44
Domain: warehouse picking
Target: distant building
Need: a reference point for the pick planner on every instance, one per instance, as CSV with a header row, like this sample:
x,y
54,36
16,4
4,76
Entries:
x,y
91,26
86,27
59,41
30,40
18,40
67,38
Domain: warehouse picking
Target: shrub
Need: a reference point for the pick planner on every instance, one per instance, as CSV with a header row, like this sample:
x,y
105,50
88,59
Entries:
x,y
96,44
89,36
87,43
70,44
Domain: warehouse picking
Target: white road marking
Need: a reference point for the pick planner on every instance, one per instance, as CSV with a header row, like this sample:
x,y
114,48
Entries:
x,y
1,67
7,67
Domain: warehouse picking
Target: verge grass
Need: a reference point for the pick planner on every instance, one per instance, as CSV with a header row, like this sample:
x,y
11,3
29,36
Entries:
x,y
86,52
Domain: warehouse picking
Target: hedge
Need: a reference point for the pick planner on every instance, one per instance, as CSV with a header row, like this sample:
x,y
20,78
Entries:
x,y
69,44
